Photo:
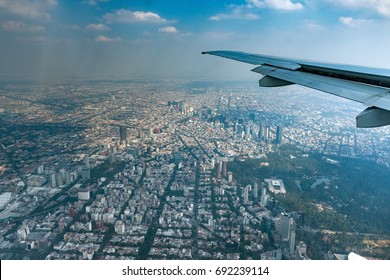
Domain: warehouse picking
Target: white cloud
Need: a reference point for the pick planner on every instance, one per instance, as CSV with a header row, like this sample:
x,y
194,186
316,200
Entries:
x,y
352,22
380,6
286,5
246,16
94,2
237,12
246,11
28,8
98,27
106,39
168,29
17,26
126,16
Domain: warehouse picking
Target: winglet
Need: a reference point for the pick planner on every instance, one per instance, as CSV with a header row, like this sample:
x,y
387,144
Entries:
x,y
373,117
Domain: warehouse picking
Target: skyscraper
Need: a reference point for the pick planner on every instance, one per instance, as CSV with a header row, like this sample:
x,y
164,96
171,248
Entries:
x,y
247,130
279,135
292,240
123,133
218,170
267,132
224,169
240,130
285,226
255,191
86,161
246,194
261,132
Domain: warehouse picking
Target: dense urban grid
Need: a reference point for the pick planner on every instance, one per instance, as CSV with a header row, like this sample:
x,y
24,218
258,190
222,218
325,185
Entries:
x,y
188,170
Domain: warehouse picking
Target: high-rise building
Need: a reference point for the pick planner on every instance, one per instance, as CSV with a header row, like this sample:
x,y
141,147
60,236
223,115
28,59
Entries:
x,y
52,179
230,177
247,130
264,197
59,179
68,178
285,226
86,161
267,131
40,169
279,135
264,200
261,132
85,173
263,191
246,193
292,240
255,191
224,168
212,163
123,133
240,130
218,170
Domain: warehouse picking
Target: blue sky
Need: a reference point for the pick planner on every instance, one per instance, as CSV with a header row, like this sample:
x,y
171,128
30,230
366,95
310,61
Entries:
x,y
44,39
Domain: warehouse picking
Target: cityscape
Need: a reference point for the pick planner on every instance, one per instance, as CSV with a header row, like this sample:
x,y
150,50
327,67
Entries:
x,y
186,169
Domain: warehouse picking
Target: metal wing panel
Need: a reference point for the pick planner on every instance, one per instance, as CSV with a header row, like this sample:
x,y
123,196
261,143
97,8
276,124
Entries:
x,y
380,75
366,94
256,59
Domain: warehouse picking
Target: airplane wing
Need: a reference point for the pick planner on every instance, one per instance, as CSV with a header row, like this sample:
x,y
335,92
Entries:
x,y
362,84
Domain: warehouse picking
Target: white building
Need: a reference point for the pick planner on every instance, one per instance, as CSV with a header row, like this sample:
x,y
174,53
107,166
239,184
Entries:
x,y
119,227
83,195
275,186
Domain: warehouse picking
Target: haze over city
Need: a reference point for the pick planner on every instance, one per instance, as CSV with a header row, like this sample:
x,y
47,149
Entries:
x,y
46,39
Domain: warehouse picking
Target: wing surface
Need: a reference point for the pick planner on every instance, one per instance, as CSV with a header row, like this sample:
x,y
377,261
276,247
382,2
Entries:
x,y
362,84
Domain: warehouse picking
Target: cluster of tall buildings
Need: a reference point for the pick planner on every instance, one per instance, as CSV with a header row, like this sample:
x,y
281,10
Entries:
x,y
178,105
248,127
56,176
261,132
287,230
287,225
221,169
255,193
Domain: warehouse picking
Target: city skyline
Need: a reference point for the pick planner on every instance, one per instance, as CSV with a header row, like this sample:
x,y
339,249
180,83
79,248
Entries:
x,y
187,170
49,39
119,140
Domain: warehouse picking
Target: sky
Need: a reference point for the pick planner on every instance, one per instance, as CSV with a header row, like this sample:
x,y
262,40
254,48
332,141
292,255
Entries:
x,y
100,39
